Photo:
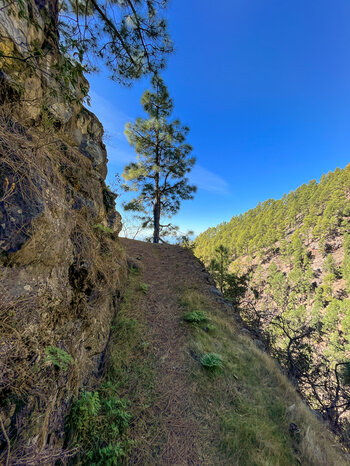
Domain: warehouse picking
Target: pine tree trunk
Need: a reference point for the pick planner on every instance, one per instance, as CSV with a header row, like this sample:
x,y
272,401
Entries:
x,y
156,207
156,211
156,220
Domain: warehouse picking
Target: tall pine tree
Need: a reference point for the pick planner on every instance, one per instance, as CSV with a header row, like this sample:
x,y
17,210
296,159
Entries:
x,y
162,162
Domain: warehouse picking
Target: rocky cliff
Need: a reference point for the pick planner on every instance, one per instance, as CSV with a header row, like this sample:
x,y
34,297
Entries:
x,y
62,268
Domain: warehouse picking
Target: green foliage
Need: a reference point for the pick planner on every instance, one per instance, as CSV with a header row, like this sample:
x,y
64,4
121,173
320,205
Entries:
x,y
219,265
345,310
345,268
329,264
211,361
235,287
129,37
86,407
110,455
58,357
195,316
99,421
278,285
332,315
319,207
345,373
231,285
144,287
159,175
103,228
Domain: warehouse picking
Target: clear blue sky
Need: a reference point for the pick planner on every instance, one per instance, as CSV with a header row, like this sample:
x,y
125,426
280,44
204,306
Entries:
x,y
264,86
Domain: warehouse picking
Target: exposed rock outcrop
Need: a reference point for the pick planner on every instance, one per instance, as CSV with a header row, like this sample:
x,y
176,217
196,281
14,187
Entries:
x,y
62,268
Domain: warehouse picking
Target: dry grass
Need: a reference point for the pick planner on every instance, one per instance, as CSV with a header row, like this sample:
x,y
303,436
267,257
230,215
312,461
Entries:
x,y
130,365
146,363
252,404
27,380
42,174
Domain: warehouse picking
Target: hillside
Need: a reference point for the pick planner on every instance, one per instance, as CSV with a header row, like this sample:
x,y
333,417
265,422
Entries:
x,y
175,409
316,210
115,351
293,256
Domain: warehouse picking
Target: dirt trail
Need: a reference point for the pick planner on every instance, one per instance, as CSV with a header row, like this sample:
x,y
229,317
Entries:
x,y
167,269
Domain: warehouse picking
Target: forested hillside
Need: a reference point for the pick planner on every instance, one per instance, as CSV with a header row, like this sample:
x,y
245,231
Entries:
x,y
315,209
286,264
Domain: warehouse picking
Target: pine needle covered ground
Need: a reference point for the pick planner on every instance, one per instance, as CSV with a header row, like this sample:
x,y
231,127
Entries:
x,y
188,386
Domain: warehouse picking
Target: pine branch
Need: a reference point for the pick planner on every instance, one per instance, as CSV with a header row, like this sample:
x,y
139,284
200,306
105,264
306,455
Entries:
x,y
113,28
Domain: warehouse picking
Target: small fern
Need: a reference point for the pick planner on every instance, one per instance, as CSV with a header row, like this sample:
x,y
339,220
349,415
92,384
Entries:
x,y
103,228
110,455
86,407
211,361
195,316
99,422
58,357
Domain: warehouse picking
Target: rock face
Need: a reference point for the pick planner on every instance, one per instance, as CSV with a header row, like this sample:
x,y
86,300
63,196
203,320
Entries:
x,y
62,268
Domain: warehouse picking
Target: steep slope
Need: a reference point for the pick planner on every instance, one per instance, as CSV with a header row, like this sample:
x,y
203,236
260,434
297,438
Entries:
x,y
179,409
294,255
316,210
61,266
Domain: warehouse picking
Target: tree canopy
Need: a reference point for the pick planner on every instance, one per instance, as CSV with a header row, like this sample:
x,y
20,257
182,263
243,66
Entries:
x,y
163,160
129,36
317,208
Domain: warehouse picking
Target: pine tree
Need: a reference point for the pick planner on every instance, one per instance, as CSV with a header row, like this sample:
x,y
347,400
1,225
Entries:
x,y
129,36
163,161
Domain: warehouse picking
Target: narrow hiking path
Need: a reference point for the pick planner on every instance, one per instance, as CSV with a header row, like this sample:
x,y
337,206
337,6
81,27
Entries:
x,y
168,270
181,413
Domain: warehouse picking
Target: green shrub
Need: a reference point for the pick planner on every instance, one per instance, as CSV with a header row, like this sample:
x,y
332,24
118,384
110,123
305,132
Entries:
x,y
58,357
195,316
345,374
211,361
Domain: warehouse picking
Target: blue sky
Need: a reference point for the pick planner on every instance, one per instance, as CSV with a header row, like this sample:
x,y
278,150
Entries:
x,y
264,86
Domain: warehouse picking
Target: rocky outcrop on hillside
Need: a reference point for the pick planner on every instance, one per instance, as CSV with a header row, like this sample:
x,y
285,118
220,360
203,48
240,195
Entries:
x,y
62,268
